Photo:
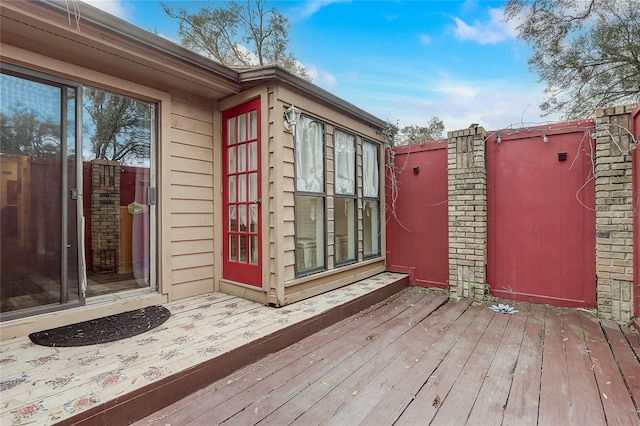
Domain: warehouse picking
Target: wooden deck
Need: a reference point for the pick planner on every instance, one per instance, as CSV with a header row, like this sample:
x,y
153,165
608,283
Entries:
x,y
207,337
416,359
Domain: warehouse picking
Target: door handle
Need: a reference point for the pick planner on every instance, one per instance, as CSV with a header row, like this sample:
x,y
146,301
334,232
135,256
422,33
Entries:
x,y
258,201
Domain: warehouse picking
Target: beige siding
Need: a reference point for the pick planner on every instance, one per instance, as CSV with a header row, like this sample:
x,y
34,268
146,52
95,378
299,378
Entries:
x,y
191,204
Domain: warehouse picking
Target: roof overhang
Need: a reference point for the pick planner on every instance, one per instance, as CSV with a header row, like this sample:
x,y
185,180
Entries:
x,y
88,37
258,76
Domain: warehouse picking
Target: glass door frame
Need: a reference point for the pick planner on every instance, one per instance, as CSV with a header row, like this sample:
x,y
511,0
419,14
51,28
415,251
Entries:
x,y
67,194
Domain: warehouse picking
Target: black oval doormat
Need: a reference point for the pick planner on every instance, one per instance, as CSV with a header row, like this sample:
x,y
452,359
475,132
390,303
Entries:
x,y
103,330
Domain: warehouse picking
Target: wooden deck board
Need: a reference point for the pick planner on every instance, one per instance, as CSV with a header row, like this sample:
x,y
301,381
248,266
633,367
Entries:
x,y
618,405
493,395
626,359
221,392
555,400
415,361
459,402
403,379
325,397
524,394
431,396
586,406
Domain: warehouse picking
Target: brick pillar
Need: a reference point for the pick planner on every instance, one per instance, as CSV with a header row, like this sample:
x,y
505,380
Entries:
x,y
467,174
105,215
614,213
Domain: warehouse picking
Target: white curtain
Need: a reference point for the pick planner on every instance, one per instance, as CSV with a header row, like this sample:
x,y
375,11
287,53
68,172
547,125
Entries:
x,y
370,170
345,147
309,160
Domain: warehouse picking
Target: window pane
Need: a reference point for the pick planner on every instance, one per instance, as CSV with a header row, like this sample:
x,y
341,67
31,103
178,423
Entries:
x,y
370,170
253,187
242,188
242,216
243,248
371,228
232,160
232,189
345,162
310,239
253,124
30,193
253,156
242,158
233,254
231,127
254,249
344,215
253,217
233,223
242,128
309,155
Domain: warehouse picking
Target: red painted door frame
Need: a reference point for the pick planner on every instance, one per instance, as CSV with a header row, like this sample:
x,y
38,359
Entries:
x,y
241,194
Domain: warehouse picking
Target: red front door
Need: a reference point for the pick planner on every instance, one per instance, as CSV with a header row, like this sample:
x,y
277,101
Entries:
x,y
241,194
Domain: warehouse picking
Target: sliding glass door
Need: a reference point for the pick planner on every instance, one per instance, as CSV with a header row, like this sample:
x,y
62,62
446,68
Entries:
x,y
77,203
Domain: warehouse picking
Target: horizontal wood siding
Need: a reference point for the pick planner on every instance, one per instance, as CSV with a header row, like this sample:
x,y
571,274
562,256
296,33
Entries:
x,y
192,178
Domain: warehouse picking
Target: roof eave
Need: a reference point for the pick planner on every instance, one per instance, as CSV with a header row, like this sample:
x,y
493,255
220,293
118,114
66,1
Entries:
x,y
123,29
274,73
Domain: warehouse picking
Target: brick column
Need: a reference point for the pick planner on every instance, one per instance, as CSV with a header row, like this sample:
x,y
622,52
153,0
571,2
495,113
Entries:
x,y
614,213
467,174
105,215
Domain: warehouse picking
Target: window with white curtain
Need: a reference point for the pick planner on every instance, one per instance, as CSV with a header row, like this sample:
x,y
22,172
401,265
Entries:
x,y
370,199
310,200
345,197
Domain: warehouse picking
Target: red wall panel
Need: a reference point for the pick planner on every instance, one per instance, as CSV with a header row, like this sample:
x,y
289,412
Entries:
x,y
541,222
417,222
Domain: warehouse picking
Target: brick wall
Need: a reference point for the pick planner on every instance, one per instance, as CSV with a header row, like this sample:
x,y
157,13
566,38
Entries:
x,y
105,215
614,213
467,188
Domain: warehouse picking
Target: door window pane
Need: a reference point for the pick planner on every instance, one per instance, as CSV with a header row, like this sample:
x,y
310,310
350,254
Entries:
x,y
253,187
253,217
233,247
231,126
253,156
233,222
242,188
243,248
242,128
254,249
242,158
232,189
31,193
232,159
118,138
253,124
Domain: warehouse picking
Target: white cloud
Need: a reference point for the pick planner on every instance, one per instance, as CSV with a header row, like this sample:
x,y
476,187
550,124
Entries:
x,y
311,7
320,77
492,31
115,7
493,103
425,39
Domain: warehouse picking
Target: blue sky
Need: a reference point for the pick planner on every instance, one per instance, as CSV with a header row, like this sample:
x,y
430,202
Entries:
x,y
404,60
